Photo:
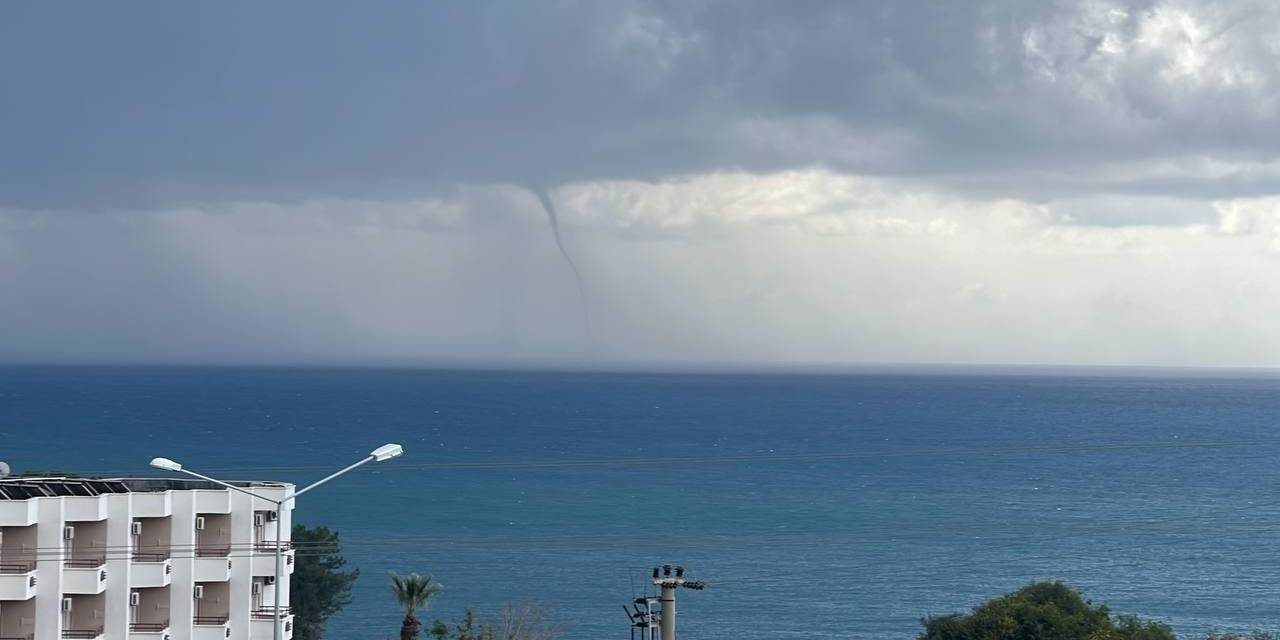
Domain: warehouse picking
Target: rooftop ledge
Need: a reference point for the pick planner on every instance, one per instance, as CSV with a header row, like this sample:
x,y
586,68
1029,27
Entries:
x,y
25,488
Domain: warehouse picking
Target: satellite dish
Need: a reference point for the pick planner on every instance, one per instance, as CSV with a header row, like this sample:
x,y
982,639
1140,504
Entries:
x,y
4,470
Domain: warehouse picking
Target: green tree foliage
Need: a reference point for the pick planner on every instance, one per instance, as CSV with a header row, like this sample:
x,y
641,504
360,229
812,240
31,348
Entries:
x,y
1041,611
511,623
319,588
467,629
439,630
413,592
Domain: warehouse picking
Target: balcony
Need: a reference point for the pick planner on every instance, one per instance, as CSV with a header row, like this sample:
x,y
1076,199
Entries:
x,y
213,565
17,581
152,505
150,570
82,634
148,630
213,501
17,513
210,628
264,558
261,621
84,577
269,546
85,563
269,613
84,508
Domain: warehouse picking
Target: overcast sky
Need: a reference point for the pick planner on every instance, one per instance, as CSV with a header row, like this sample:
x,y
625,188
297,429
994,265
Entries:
x,y
738,183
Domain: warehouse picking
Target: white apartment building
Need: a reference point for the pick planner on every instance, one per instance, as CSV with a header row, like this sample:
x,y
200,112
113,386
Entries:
x,y
140,559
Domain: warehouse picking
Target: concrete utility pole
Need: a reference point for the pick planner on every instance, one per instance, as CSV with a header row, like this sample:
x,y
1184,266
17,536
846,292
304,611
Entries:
x,y
668,583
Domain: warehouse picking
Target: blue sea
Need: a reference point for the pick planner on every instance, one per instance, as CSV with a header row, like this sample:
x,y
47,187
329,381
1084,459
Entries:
x,y
814,505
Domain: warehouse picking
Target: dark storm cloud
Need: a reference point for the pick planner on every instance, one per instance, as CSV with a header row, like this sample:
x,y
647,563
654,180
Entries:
x,y
110,105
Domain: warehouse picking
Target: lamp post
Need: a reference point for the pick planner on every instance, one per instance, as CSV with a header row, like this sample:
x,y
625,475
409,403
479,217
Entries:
x,y
385,452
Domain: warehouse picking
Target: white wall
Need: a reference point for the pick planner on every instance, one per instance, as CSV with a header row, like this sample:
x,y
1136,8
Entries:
x,y
119,561
90,542
17,618
49,568
18,544
156,533
183,522
154,604
88,612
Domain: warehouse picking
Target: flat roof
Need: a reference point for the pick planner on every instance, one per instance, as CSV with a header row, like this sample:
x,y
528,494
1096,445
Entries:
x,y
23,488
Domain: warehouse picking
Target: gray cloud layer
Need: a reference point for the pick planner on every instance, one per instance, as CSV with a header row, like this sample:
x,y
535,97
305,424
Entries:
x,y
126,104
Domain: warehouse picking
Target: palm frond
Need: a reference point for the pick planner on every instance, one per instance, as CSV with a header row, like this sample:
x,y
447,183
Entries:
x,y
413,591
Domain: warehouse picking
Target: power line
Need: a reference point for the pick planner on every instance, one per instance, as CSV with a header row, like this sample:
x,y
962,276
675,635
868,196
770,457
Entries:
x,y
121,555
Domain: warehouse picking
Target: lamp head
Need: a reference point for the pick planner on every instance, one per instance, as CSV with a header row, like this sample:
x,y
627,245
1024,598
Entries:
x,y
385,452
166,464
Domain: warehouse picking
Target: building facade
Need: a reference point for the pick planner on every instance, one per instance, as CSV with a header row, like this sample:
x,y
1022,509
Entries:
x,y
141,559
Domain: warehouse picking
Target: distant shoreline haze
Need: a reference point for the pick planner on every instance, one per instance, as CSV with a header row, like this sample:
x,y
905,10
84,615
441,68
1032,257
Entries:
x,y
728,369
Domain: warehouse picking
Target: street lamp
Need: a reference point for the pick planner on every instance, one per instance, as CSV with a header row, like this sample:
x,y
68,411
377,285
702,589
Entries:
x,y
385,452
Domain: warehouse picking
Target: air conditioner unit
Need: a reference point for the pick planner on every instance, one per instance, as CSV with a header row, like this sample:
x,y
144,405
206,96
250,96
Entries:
x,y
199,591
271,516
66,604
258,519
135,527
199,523
269,580
135,598
257,588
68,533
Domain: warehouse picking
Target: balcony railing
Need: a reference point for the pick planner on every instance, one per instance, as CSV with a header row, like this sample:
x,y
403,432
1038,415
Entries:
x,y
88,634
140,556
270,546
211,621
16,567
213,552
268,612
149,627
85,563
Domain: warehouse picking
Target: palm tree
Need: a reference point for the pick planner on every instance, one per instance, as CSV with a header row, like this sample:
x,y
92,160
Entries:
x,y
412,592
